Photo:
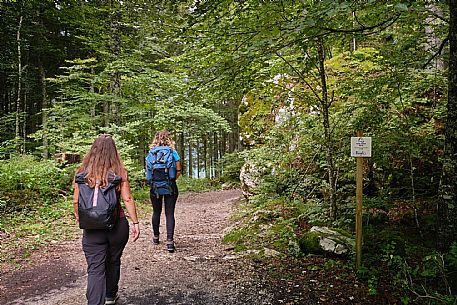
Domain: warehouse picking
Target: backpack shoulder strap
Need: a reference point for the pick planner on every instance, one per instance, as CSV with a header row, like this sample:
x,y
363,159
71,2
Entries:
x,y
80,178
114,179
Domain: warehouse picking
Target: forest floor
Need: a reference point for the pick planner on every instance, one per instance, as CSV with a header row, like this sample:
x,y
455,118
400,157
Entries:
x,y
203,270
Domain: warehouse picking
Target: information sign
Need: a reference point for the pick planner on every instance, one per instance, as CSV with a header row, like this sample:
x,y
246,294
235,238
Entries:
x,y
361,147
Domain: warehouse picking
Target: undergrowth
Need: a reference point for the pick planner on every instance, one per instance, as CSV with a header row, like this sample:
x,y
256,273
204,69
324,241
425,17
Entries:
x,y
399,262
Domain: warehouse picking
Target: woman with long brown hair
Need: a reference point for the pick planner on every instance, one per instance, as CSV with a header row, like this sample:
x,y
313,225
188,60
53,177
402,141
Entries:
x,y
164,190
103,247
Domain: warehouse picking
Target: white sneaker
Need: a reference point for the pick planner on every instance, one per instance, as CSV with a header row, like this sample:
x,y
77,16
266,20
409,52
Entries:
x,y
110,301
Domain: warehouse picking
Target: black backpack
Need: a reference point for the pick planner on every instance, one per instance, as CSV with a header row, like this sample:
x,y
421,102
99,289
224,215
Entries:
x,y
105,213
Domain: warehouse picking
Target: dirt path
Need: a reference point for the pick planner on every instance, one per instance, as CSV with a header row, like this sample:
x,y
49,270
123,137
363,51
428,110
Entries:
x,y
203,270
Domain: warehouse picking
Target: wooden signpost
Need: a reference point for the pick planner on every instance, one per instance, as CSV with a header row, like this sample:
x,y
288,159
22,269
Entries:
x,y
360,148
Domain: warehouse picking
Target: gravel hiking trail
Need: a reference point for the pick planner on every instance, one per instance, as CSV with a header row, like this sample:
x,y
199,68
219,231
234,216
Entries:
x,y
202,271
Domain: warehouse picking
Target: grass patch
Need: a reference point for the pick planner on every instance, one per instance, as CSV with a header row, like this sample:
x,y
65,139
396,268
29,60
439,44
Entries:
x,y
26,231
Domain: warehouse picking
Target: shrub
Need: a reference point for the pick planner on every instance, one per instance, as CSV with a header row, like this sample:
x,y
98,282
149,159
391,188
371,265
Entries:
x,y
25,173
230,166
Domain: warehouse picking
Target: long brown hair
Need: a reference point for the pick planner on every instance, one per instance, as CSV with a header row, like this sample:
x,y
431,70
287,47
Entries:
x,y
163,138
101,160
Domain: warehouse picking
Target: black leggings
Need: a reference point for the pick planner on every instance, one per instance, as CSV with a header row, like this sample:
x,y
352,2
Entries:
x,y
170,203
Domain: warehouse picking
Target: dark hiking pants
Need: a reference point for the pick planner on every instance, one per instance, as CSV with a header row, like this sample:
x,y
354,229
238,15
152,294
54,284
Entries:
x,y
170,202
103,251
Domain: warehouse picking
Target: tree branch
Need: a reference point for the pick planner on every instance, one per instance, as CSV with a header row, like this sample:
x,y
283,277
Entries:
x,y
440,49
302,77
363,28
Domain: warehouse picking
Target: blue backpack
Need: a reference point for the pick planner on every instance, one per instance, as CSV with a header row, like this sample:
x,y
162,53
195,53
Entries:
x,y
160,170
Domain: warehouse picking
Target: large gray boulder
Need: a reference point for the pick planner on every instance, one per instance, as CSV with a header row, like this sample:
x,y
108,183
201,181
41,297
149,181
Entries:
x,y
250,177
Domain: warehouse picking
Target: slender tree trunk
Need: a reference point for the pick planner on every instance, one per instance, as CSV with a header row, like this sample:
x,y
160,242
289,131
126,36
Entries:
x,y
353,45
19,83
24,122
44,112
93,106
224,143
115,84
181,150
190,170
447,205
215,153
205,155
325,104
223,149
198,159
211,155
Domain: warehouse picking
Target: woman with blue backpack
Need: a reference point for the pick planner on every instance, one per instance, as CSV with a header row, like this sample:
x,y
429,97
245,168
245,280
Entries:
x,y
163,167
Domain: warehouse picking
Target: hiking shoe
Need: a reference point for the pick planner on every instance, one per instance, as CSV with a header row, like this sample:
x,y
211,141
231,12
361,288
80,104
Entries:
x,y
171,247
155,240
112,300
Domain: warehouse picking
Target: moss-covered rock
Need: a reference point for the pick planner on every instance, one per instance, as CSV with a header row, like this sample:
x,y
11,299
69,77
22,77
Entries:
x,y
309,243
324,240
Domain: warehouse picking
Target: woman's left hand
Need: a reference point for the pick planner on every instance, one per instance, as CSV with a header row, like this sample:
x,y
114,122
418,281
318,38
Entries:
x,y
136,231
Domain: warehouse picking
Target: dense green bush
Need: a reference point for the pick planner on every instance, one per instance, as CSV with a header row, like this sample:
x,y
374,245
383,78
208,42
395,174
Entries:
x,y
26,173
230,166
414,272
34,204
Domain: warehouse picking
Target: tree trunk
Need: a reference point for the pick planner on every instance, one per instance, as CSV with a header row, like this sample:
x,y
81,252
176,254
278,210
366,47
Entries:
x,y
44,113
205,155
210,155
325,105
353,44
19,83
115,84
24,122
224,143
215,153
181,150
198,160
93,106
190,160
447,205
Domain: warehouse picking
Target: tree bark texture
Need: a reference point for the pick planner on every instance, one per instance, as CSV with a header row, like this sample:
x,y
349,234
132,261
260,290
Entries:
x,y
181,150
325,105
205,155
19,83
215,153
198,159
447,205
44,115
190,169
